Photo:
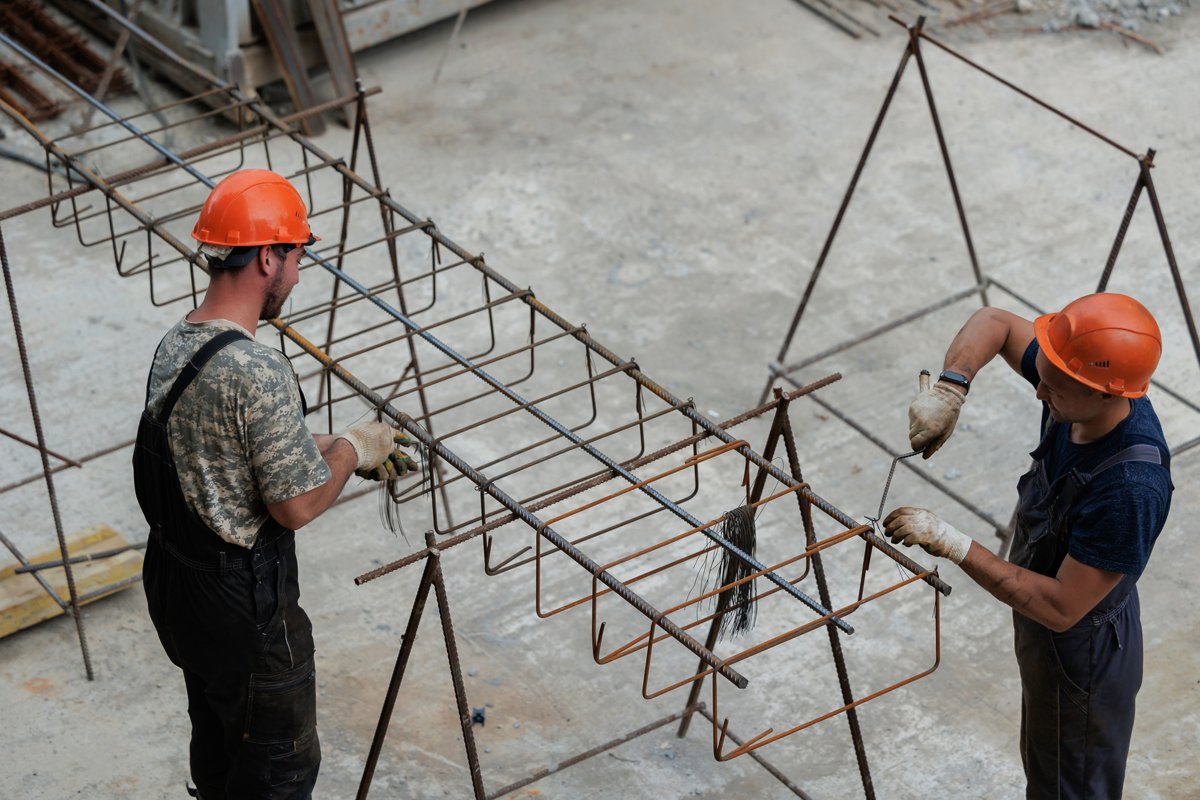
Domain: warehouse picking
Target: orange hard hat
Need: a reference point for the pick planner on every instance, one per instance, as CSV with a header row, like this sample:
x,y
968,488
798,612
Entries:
x,y
1108,342
253,207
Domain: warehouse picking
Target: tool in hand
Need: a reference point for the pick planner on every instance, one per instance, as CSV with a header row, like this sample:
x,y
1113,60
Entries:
x,y
922,385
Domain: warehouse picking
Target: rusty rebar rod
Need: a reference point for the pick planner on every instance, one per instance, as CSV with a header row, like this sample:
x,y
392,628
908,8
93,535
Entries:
x,y
76,611
524,514
841,213
574,489
559,766
835,644
407,640
81,559
70,462
915,36
770,768
919,32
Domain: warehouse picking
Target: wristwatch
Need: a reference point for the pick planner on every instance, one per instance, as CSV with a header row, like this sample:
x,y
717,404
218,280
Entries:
x,y
957,378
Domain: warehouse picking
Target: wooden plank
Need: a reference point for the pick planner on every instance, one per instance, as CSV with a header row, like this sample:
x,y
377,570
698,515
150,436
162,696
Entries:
x,y
23,602
327,18
281,34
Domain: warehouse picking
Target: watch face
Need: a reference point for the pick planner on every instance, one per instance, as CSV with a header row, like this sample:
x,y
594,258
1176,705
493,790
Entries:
x,y
955,377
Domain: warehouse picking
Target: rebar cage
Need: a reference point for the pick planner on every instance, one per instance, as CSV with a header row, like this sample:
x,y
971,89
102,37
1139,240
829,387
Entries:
x,y
518,414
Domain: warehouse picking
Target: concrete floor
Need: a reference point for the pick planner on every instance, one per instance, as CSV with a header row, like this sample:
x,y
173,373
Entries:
x,y
665,172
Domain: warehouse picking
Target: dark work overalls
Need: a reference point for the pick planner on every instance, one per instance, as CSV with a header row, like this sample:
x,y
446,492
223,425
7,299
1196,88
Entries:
x,y
1077,687
230,619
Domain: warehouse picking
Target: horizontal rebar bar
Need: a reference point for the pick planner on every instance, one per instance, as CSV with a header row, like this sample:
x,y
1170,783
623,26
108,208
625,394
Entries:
x,y
60,467
912,316
524,514
589,484
595,751
12,548
81,559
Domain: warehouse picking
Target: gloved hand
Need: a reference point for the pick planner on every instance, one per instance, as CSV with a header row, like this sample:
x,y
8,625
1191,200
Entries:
x,y
909,526
396,465
931,417
373,442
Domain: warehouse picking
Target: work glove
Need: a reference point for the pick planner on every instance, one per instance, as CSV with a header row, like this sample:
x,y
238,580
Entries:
x,y
398,463
931,417
909,526
373,443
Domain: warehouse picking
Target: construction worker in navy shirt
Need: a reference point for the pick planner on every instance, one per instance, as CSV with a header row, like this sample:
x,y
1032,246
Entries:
x,y
1088,514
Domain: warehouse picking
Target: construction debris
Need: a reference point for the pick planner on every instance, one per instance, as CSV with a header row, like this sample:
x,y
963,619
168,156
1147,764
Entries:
x,y
32,25
29,596
1123,17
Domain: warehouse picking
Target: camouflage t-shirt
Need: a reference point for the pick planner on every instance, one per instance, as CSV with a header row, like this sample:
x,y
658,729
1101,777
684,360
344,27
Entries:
x,y
237,433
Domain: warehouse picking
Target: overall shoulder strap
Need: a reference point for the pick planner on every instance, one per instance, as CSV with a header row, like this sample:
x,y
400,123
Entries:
x,y
1076,484
1135,452
193,367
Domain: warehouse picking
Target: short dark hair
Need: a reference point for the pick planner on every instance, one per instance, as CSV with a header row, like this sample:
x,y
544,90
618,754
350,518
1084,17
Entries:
x,y
241,256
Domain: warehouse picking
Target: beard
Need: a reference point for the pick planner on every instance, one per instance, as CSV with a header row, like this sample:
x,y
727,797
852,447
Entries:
x,y
275,297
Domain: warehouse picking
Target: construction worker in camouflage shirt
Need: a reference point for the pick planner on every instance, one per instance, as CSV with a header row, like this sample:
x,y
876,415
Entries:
x,y
225,471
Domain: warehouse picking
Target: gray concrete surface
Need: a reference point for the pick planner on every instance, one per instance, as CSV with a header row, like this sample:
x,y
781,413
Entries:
x,y
666,173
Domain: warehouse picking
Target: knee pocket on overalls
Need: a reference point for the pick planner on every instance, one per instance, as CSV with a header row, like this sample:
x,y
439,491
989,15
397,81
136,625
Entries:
x,y
281,707
292,766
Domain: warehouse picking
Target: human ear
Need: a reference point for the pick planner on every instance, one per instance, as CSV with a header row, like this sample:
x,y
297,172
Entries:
x,y
265,263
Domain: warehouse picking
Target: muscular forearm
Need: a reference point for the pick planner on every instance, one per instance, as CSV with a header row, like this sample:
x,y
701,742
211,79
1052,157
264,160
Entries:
x,y
1046,600
298,511
980,340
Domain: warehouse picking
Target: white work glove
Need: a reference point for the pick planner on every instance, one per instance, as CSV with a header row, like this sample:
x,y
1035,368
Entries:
x,y
373,442
398,463
931,417
909,526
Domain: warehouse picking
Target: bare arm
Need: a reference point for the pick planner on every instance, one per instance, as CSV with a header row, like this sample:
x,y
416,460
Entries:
x,y
988,333
298,511
1058,602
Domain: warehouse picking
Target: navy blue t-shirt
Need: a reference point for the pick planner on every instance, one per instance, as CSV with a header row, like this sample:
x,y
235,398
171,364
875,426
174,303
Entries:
x,y
1122,511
